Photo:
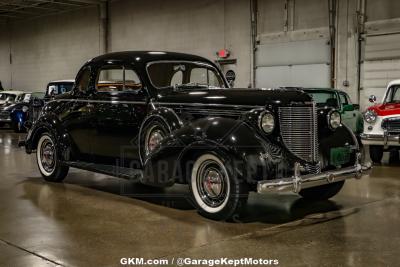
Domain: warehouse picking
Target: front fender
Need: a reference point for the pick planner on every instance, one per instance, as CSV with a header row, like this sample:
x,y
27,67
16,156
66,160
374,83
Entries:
x,y
236,141
18,116
167,115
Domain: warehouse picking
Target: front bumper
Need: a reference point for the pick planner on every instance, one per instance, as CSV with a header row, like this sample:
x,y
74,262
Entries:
x,y
299,182
380,139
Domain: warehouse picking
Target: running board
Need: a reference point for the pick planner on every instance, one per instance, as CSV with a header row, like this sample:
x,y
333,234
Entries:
x,y
112,170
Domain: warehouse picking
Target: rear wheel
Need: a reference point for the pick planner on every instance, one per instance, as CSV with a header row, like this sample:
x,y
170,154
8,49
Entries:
x,y
376,153
217,193
48,162
322,192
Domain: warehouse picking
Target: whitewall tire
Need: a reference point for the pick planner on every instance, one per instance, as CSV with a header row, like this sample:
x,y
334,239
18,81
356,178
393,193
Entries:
x,y
48,162
216,192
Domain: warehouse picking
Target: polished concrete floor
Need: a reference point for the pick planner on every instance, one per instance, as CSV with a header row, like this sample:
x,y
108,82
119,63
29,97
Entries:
x,y
94,220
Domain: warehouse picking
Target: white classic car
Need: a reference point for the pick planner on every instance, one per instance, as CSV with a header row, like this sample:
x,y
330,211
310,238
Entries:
x,y
382,123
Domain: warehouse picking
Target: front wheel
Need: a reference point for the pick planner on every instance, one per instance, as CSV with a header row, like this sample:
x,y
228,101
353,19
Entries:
x,y
48,162
322,192
216,192
376,153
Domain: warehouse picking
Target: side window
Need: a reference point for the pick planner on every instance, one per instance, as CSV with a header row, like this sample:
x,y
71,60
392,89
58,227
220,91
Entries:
x,y
177,78
204,76
343,99
117,79
83,80
396,94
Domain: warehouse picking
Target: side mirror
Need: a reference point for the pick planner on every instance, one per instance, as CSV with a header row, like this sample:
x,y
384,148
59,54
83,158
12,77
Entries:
x,y
372,99
349,107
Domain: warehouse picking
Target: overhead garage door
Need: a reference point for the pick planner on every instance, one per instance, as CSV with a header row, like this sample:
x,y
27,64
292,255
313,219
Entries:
x,y
303,63
381,65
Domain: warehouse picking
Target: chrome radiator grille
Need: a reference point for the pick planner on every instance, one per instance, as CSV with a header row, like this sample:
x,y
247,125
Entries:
x,y
298,125
392,125
5,115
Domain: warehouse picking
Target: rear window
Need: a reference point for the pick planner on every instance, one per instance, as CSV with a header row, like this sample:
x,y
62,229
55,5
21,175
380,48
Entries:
x,y
170,74
324,98
59,88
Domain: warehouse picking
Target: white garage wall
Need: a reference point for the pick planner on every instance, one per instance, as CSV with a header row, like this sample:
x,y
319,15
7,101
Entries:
x,y
5,71
52,48
199,27
55,47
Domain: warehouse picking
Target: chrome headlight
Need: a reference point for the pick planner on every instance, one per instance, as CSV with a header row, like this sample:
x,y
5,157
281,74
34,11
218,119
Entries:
x,y
334,119
267,122
370,116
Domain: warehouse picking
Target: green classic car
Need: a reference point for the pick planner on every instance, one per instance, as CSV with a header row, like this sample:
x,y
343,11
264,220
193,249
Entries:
x,y
327,97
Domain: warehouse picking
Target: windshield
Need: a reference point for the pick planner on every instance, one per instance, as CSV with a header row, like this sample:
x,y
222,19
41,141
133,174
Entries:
x,y
38,95
324,98
393,95
7,97
58,88
184,75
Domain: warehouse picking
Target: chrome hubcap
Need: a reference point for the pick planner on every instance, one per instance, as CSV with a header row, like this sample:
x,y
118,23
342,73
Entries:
x,y
154,138
211,182
47,155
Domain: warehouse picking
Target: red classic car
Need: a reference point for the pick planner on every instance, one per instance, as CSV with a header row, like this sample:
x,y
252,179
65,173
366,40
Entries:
x,y
382,123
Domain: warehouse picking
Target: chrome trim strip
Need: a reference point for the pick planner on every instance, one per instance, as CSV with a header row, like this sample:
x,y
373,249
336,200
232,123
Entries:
x,y
99,101
205,104
297,182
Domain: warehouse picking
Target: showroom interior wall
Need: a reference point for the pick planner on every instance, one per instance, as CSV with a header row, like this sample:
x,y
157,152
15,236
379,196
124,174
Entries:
x,y
5,70
198,27
54,47
51,48
292,40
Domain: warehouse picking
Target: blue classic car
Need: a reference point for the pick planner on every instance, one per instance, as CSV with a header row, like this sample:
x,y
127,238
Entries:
x,y
21,111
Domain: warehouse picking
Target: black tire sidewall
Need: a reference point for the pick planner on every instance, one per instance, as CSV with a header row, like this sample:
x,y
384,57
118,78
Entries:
x,y
376,153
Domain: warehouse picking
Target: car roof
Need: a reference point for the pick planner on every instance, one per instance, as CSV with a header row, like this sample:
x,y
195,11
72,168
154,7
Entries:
x,y
394,82
63,81
13,92
325,89
146,56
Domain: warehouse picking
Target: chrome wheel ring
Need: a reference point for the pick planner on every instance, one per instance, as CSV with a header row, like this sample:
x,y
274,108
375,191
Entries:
x,y
46,155
154,136
210,183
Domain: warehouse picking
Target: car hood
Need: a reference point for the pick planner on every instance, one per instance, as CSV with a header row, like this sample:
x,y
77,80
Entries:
x,y
8,106
247,97
386,109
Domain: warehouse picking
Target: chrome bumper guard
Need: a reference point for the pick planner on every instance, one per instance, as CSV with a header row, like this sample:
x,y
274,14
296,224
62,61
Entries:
x,y
299,182
376,139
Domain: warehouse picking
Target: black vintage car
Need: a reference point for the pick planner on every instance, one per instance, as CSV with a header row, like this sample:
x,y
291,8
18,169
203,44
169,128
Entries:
x,y
165,118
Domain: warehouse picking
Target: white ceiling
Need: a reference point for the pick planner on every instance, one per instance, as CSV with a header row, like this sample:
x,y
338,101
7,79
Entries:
x,y
27,9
